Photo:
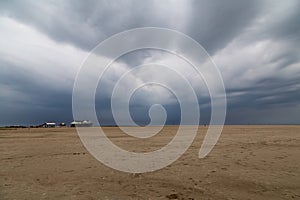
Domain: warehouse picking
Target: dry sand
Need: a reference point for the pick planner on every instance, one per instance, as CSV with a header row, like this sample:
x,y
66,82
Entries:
x,y
248,162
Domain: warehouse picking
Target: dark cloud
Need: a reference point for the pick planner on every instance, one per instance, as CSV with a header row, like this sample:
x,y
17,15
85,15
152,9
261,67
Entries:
x,y
86,23
254,43
26,101
215,23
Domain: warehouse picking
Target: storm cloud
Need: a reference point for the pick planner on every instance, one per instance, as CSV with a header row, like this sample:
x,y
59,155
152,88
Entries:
x,y
255,45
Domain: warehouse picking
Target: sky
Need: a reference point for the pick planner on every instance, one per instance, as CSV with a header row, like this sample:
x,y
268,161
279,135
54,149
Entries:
x,y
255,45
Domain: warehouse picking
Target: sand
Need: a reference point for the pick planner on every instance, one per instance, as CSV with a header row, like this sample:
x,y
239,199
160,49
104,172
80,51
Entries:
x,y
248,162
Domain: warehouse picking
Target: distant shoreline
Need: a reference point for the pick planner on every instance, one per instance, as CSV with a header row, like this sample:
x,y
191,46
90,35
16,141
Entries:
x,y
201,125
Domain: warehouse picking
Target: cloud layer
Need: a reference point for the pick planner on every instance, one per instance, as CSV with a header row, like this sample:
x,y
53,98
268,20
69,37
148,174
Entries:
x,y
255,45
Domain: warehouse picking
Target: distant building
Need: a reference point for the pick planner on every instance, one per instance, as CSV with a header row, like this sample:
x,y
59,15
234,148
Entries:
x,y
62,124
83,123
49,125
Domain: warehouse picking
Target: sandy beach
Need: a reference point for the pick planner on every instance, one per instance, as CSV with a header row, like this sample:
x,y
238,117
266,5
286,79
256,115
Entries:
x,y
248,162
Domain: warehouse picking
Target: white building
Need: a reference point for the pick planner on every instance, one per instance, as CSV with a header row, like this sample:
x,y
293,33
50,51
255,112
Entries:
x,y
49,124
84,123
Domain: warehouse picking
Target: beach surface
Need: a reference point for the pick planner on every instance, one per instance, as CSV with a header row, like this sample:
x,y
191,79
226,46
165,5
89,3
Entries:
x,y
248,162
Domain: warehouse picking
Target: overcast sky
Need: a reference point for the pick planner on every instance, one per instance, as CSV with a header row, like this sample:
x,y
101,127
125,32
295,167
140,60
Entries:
x,y
255,44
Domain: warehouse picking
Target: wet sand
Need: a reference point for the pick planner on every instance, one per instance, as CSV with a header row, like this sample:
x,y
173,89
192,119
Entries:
x,y
248,162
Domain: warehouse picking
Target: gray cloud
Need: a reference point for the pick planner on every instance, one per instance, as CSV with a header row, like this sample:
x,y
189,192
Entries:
x,y
254,43
85,24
